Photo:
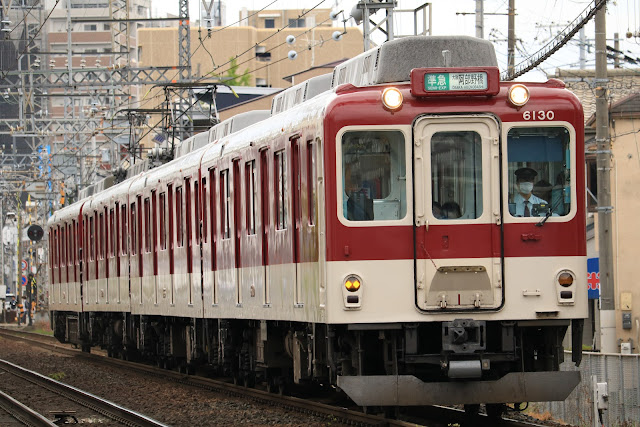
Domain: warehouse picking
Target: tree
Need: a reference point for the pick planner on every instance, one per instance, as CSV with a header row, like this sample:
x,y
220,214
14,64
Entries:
x,y
232,78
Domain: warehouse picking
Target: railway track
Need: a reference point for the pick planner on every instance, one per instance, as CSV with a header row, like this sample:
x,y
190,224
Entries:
x,y
44,393
428,416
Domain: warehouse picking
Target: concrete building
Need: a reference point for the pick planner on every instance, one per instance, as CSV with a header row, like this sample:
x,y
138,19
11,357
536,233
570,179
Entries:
x,y
624,122
260,52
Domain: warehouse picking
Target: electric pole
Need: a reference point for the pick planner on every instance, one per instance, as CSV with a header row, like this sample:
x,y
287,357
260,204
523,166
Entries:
x,y
607,291
511,42
480,19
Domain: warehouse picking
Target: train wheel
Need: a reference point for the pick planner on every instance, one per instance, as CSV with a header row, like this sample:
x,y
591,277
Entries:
x,y
495,410
472,409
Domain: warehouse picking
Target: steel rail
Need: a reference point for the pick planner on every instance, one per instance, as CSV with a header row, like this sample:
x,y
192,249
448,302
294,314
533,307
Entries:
x,y
23,413
102,406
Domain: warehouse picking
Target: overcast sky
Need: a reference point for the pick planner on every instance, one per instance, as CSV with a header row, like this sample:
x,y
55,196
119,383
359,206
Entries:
x,y
536,22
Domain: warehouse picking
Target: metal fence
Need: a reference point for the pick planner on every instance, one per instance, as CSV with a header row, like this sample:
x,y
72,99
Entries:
x,y
622,375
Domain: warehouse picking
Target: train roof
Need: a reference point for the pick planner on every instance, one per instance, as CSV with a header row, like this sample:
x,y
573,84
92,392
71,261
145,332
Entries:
x,y
394,60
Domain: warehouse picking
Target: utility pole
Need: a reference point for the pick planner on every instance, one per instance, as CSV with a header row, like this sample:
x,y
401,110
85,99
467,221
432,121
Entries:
x,y
583,49
607,291
480,19
511,42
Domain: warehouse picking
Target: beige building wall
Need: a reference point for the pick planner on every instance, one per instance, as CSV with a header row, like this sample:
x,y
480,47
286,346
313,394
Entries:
x,y
625,185
210,60
625,179
280,18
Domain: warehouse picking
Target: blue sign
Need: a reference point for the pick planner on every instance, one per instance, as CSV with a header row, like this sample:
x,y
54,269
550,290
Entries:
x,y
593,278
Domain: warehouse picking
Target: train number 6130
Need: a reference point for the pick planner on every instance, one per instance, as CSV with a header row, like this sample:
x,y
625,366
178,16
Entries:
x,y
538,115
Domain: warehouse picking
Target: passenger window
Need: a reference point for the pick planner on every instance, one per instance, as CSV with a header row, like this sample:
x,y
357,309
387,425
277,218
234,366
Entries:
x,y
456,175
225,204
163,221
539,171
250,196
179,224
374,184
147,225
134,227
280,170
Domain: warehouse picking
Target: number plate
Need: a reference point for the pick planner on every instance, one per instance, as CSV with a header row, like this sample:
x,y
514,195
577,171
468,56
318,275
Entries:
x,y
455,81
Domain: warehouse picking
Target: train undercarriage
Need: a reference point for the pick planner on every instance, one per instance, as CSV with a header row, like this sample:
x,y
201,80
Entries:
x,y
460,362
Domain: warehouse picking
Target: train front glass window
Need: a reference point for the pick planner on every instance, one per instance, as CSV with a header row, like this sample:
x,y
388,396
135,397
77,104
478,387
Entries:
x,y
374,185
456,175
539,166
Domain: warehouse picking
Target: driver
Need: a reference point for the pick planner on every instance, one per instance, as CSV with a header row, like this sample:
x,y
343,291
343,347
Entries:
x,y
524,199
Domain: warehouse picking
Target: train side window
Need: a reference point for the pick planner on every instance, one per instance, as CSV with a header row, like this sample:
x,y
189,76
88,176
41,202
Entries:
x,y
163,221
539,166
225,204
147,225
374,185
112,234
179,222
197,214
134,230
250,196
312,179
123,230
92,238
280,193
204,205
456,175
63,240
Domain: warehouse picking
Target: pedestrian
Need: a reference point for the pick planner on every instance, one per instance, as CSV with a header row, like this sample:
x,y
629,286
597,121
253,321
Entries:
x,y
20,313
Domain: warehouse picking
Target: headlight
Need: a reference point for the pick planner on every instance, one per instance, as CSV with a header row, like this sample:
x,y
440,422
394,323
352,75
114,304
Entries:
x,y
565,279
518,95
392,98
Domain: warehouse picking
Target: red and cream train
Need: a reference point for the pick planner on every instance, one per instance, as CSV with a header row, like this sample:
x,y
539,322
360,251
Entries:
x,y
366,232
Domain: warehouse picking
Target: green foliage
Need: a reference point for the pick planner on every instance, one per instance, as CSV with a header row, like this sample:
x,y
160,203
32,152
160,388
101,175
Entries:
x,y
232,78
58,376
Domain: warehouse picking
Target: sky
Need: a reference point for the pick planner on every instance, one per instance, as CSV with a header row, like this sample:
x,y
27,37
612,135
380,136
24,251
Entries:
x,y
536,23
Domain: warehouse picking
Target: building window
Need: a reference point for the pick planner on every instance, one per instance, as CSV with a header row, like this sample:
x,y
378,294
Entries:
x,y
106,27
91,27
296,23
269,23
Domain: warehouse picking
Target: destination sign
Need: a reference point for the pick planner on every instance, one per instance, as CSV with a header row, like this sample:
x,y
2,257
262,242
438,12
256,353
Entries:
x,y
455,81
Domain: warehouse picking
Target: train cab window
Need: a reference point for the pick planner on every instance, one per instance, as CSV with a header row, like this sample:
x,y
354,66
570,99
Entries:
x,y
147,225
539,171
163,221
374,185
179,222
456,175
250,196
280,171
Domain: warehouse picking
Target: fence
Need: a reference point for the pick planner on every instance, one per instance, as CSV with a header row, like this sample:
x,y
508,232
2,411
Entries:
x,y
620,372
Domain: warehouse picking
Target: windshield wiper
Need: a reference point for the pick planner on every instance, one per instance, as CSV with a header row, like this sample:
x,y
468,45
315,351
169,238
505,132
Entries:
x,y
546,217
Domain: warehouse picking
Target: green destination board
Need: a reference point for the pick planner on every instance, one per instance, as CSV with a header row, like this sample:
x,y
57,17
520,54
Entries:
x,y
455,81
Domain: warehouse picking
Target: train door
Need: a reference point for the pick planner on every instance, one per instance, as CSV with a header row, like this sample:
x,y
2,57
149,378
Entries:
x,y
264,223
458,234
237,227
296,195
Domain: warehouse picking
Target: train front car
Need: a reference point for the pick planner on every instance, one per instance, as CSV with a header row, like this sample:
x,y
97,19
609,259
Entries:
x,y
455,228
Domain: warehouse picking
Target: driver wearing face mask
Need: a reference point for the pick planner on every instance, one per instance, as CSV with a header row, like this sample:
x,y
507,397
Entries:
x,y
524,199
